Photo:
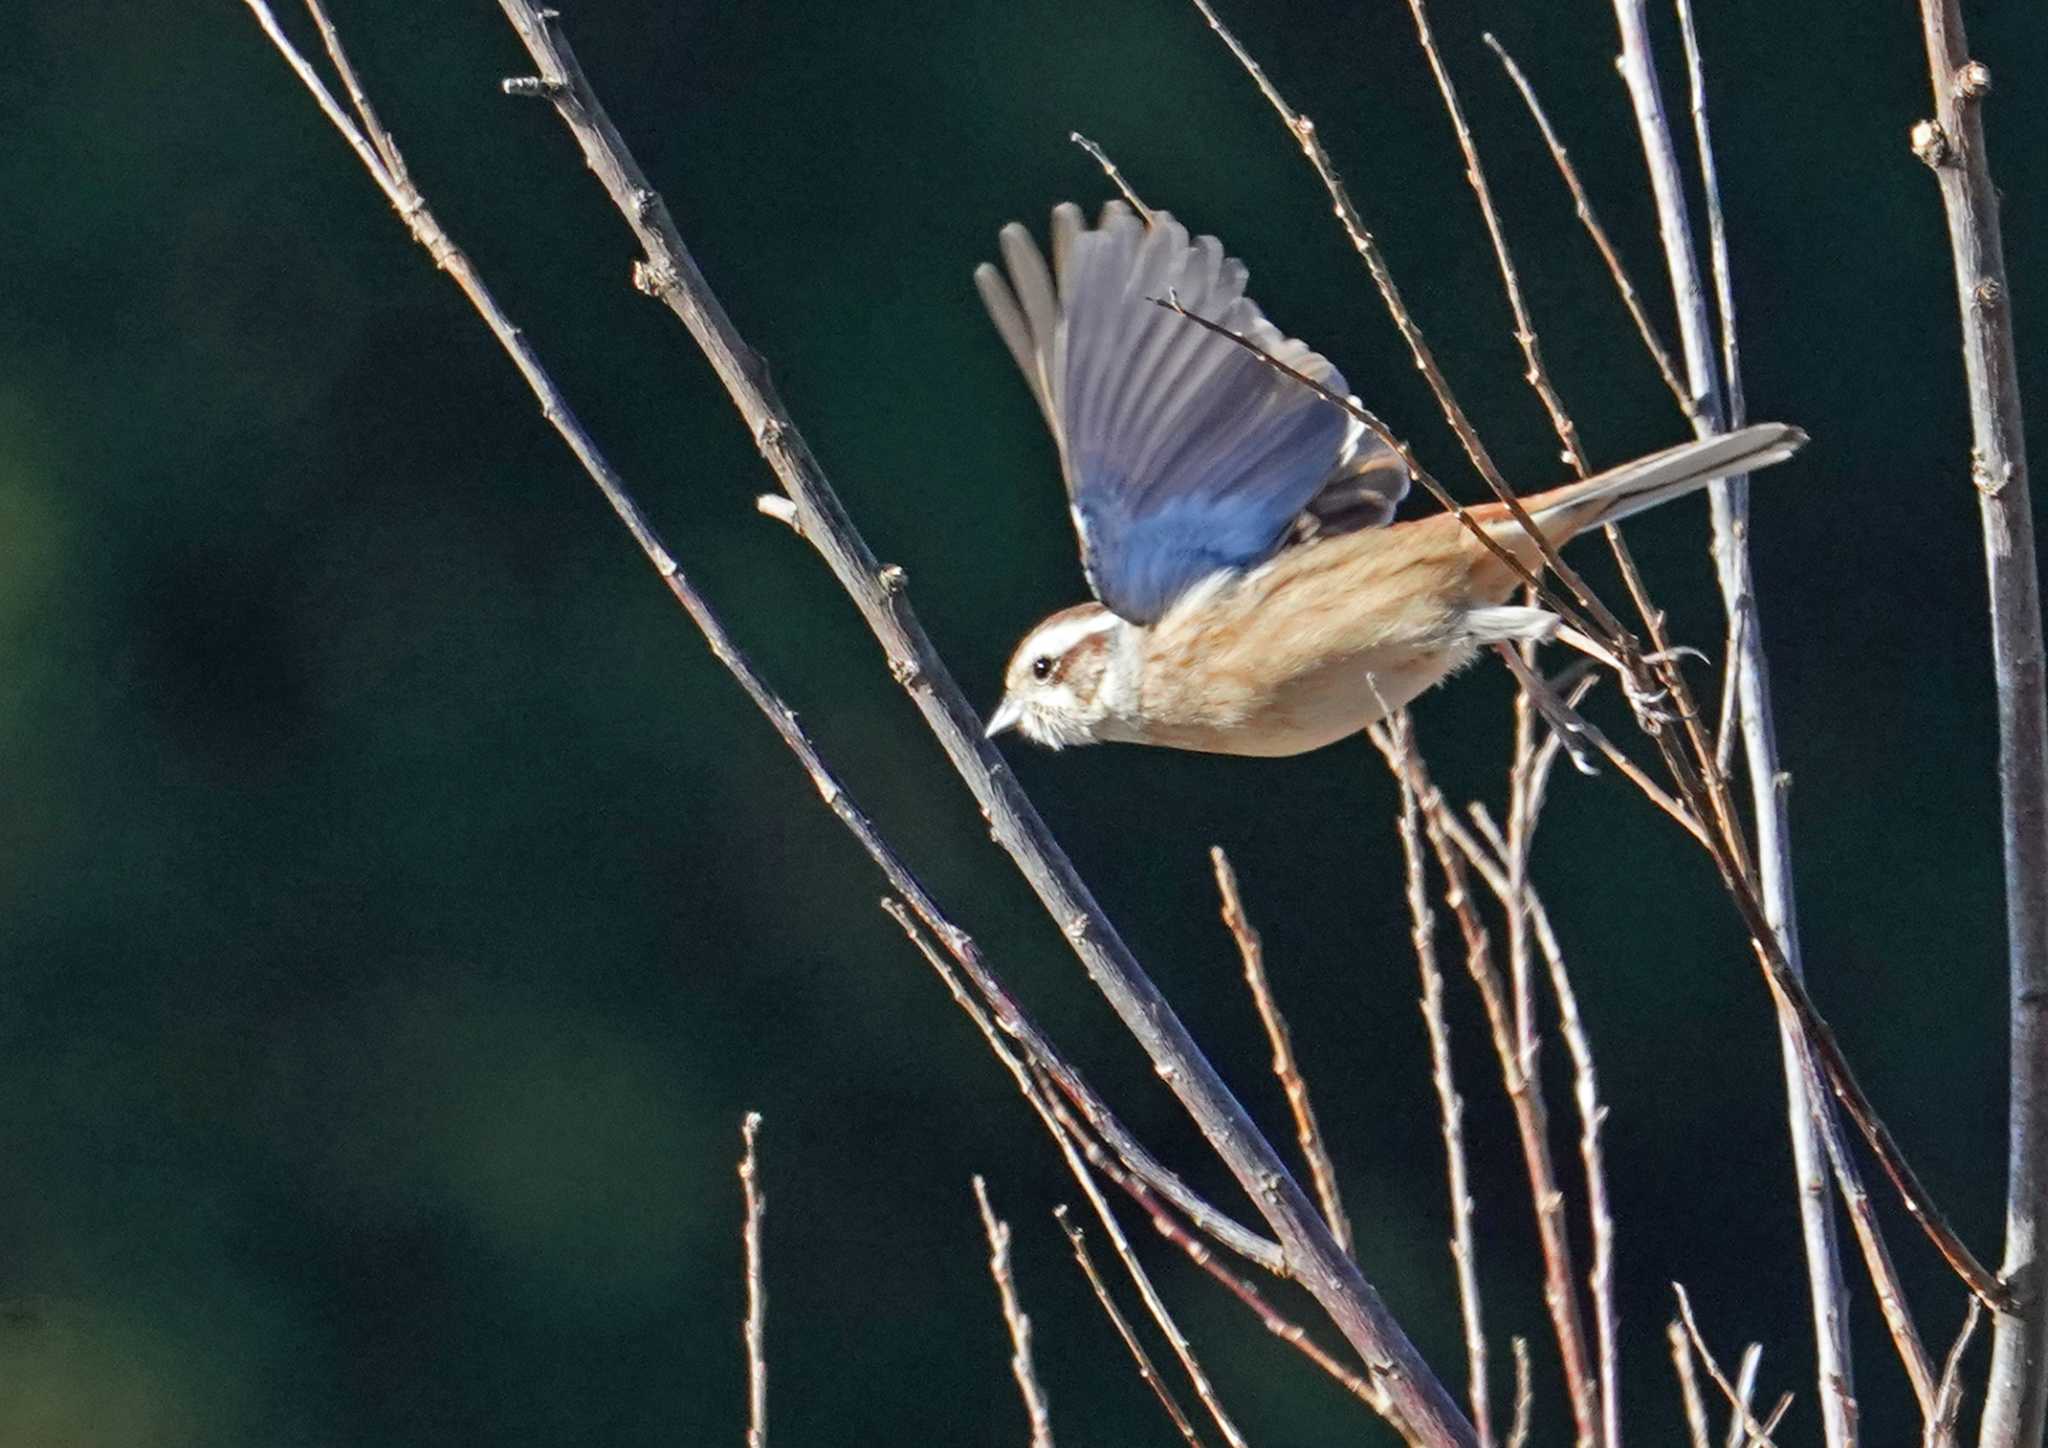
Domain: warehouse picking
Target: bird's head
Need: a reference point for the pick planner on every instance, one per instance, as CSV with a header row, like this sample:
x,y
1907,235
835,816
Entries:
x,y
1059,686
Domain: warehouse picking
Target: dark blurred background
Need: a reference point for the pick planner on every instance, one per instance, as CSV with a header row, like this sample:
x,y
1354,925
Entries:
x,y
399,908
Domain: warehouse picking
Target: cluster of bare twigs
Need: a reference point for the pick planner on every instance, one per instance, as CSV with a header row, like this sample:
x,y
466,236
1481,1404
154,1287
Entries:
x,y
1308,1240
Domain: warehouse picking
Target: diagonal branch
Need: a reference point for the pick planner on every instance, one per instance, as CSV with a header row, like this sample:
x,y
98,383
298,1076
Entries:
x,y
1420,1405
1308,1132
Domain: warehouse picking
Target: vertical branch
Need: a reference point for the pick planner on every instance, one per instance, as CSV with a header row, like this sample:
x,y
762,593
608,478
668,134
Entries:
x,y
1252,952
1729,506
2016,1397
1689,1397
1450,1106
1525,1396
755,1332
998,1232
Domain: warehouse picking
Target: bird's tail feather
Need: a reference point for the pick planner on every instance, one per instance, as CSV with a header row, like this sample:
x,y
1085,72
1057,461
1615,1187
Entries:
x,y
1627,490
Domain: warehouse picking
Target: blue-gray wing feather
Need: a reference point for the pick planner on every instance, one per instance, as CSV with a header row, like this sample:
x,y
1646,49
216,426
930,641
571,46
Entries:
x,y
1184,454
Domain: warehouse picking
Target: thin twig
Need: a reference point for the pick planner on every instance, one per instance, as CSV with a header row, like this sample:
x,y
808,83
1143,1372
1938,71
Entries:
x,y
2016,1394
1071,1143
1197,1375
1525,1395
1525,1095
1304,131
1170,1227
1629,296
1572,722
1700,786
1745,1393
1688,1384
1758,1432
1592,1116
1475,174
1419,1403
1115,176
1123,1330
755,1332
1450,1105
1940,1429
1884,1275
1321,1169
1035,1410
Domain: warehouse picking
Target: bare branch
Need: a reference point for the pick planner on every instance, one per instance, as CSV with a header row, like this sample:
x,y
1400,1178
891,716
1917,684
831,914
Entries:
x,y
998,1232
1450,1105
1419,1402
1745,1393
1629,296
1321,1169
1169,1227
2016,1395
755,1332
1116,177
1072,1143
1940,1429
1123,1329
1525,1397
1592,1116
1688,1384
1729,506
1475,174
1525,1094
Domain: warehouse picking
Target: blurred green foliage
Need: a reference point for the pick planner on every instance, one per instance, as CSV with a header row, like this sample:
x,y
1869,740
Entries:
x,y
398,908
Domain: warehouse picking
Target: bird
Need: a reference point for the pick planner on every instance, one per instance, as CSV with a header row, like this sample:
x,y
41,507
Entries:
x,y
1252,594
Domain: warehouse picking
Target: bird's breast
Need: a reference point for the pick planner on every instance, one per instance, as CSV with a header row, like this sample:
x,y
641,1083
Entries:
x,y
1310,648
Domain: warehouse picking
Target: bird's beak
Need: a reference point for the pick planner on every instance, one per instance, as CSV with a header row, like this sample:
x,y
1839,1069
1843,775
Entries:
x,y
1007,715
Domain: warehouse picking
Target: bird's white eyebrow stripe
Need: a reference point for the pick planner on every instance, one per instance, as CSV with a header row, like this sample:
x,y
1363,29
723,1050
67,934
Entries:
x,y
1057,638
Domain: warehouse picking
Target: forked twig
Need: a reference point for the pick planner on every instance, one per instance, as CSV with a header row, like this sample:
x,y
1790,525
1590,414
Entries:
x,y
1036,1411
1758,1432
1252,952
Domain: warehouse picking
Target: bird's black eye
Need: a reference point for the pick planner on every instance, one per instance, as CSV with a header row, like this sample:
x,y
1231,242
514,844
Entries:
x,y
1041,667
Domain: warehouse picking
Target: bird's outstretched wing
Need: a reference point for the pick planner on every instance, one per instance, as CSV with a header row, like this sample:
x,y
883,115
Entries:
x,y
1184,454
